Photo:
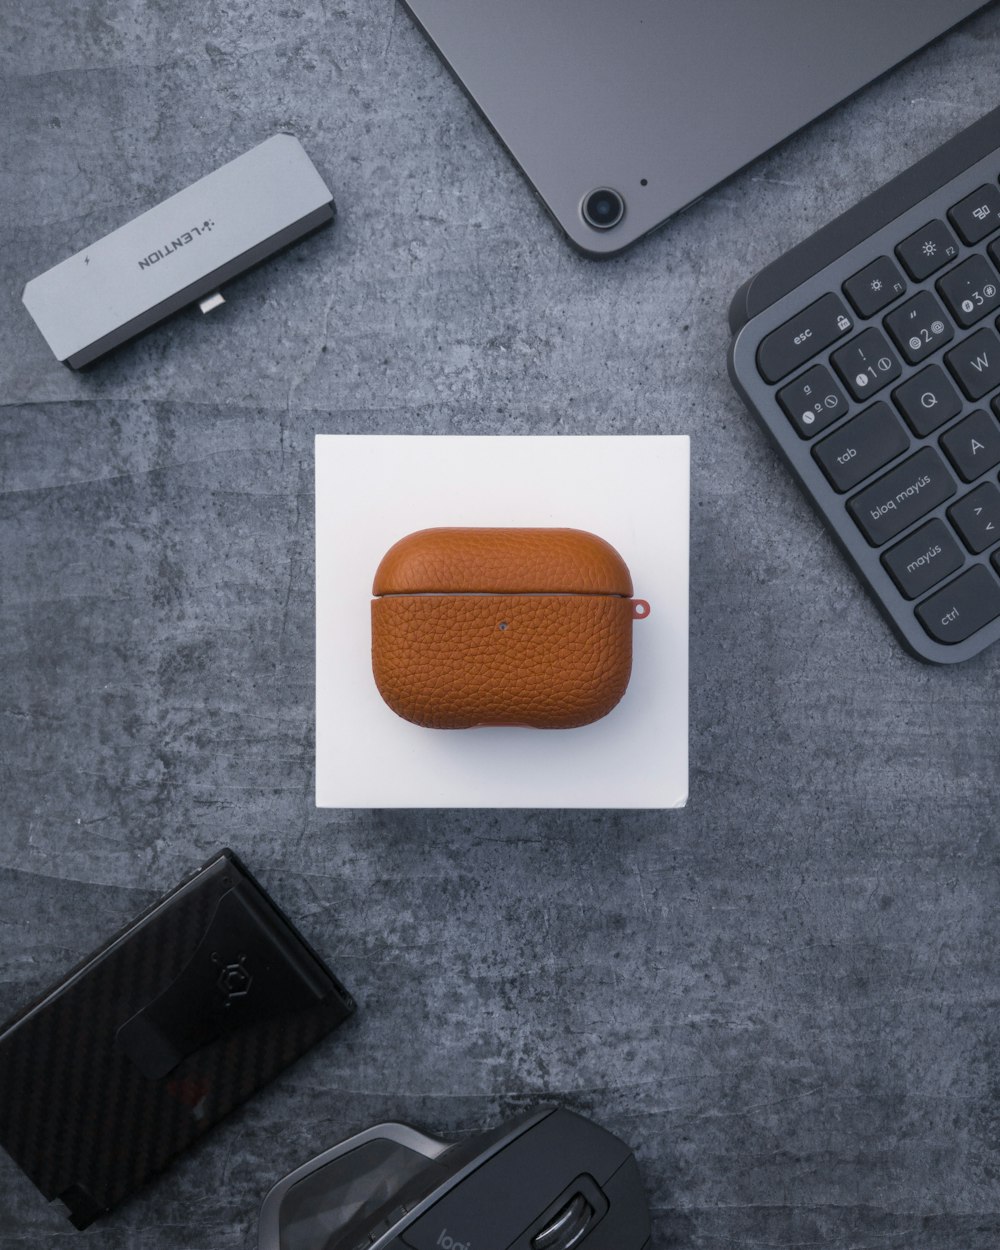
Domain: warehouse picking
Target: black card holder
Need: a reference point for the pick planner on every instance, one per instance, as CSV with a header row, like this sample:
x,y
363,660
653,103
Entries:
x,y
150,1041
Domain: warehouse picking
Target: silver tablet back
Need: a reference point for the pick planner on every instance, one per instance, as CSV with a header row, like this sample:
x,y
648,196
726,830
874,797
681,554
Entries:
x,y
659,100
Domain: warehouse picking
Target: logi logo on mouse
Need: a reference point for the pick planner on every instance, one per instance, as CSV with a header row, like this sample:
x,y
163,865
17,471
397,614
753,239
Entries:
x,y
449,1243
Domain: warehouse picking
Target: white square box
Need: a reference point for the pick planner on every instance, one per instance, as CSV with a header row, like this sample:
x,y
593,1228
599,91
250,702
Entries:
x,y
372,490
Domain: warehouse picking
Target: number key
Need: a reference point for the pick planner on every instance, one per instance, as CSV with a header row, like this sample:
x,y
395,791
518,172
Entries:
x,y
919,327
866,363
971,290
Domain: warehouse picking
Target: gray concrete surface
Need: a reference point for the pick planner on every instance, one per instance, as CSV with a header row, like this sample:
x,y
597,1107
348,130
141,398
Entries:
x,y
785,996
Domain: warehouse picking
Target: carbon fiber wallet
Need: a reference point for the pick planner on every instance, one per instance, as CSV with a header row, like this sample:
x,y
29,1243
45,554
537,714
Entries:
x,y
150,1041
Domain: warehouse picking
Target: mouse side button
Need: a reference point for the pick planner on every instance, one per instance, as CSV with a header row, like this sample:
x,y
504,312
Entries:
x,y
626,1225
567,1227
504,1197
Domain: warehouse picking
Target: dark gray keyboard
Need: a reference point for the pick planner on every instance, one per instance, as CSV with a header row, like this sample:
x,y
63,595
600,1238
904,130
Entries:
x,y
871,356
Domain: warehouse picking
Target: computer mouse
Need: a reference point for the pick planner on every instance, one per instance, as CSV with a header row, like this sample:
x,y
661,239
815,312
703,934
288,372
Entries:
x,y
548,1180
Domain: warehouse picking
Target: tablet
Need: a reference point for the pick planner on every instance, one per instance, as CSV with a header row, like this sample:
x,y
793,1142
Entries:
x,y
622,112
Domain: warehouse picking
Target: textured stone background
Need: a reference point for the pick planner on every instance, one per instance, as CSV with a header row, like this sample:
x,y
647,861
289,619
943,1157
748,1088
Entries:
x,y
786,995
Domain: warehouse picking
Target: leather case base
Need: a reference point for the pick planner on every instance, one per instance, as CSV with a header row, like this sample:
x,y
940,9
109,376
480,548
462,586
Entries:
x,y
492,658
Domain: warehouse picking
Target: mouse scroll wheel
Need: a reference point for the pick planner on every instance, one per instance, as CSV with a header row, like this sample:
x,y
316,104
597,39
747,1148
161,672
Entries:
x,y
567,1228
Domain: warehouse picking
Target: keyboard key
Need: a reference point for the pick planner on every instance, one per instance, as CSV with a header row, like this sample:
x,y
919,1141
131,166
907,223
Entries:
x,y
927,400
955,612
866,363
813,401
875,287
973,446
924,558
977,215
861,447
901,496
977,517
971,290
799,339
919,327
975,362
927,250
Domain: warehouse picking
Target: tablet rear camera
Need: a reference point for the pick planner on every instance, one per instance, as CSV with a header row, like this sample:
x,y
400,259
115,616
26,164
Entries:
x,y
603,209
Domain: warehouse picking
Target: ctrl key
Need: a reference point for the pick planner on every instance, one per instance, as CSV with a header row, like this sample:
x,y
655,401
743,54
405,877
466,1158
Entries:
x,y
968,603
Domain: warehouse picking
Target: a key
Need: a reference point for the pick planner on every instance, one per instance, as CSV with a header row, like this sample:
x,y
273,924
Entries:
x,y
973,446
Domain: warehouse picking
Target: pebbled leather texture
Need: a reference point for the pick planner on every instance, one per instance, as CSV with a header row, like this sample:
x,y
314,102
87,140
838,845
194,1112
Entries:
x,y
527,561
456,661
474,627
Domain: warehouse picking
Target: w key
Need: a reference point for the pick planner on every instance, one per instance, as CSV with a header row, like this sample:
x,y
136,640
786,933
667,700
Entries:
x,y
975,362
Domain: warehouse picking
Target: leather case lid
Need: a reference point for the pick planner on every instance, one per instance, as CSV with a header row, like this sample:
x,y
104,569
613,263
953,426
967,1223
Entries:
x,y
502,561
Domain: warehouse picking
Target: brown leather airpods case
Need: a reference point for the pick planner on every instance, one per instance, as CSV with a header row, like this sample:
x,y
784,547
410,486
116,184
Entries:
x,y
503,627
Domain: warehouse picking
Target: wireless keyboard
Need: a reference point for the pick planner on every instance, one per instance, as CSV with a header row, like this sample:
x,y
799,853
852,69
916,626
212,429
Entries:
x,y
870,355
